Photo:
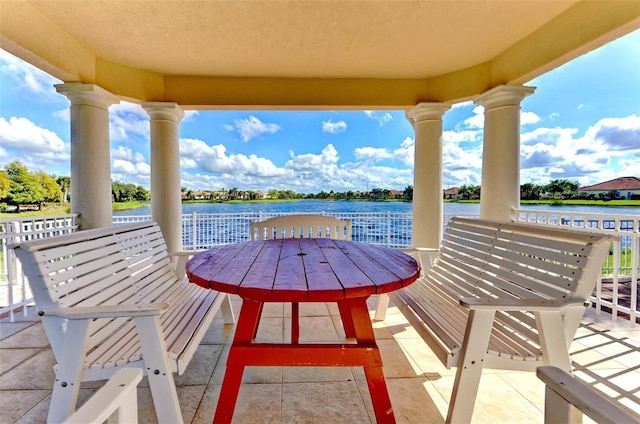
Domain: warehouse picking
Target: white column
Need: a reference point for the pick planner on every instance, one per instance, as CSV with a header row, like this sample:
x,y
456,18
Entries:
x,y
426,119
90,153
166,206
500,192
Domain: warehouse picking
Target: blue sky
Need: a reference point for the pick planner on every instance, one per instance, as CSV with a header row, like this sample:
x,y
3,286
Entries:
x,y
582,124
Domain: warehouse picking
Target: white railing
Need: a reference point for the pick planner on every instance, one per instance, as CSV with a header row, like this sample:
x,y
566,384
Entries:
x,y
617,287
203,231
14,290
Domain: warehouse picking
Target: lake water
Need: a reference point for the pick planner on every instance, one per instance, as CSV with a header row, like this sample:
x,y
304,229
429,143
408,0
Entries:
x,y
316,206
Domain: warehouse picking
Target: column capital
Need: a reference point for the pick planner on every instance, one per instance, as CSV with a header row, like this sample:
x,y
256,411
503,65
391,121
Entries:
x,y
427,111
503,95
169,111
80,93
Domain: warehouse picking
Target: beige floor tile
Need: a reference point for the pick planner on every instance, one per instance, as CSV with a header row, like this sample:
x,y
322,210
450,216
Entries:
x,y
31,336
313,309
15,404
497,402
256,403
318,329
323,402
10,358
218,332
412,404
314,374
200,369
10,328
34,373
396,363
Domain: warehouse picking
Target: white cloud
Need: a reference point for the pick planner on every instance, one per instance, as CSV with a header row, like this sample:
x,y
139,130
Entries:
x,y
128,120
29,77
476,121
380,117
529,118
406,152
62,114
33,145
371,154
215,159
253,127
310,162
334,127
618,134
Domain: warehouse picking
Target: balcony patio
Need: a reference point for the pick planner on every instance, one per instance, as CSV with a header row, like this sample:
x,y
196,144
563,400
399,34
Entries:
x,y
606,355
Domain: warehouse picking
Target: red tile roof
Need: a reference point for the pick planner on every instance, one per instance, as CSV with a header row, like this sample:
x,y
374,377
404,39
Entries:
x,y
622,183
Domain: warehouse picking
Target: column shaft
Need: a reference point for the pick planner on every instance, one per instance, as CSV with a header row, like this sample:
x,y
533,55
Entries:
x,y
166,206
90,153
427,174
500,193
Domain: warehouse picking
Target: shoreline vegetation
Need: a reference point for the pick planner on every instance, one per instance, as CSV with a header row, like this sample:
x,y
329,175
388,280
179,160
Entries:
x,y
60,209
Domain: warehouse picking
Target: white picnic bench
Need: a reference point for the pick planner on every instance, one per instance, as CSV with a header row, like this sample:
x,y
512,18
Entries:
x,y
110,298
502,295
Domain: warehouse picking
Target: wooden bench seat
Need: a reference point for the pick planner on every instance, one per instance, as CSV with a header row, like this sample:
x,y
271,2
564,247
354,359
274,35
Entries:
x,y
110,298
502,295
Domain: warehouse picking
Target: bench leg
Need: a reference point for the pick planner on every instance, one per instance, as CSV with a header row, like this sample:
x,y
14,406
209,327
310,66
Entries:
x,y
470,363
69,370
227,311
159,372
381,309
555,352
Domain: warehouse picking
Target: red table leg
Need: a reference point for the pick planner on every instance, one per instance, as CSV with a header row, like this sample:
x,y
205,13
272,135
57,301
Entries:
x,y
247,327
347,319
375,377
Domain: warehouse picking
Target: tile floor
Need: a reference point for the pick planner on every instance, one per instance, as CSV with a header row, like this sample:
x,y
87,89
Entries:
x,y
605,354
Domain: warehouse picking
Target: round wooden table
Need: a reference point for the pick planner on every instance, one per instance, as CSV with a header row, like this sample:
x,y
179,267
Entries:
x,y
304,270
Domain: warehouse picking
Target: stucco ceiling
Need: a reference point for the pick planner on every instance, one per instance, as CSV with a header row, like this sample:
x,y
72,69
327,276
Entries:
x,y
409,43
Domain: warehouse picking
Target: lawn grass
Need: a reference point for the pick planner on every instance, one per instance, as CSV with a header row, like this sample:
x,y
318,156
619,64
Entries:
x,y
64,208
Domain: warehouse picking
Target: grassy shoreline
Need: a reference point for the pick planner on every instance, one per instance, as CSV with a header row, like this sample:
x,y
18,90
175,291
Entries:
x,y
64,208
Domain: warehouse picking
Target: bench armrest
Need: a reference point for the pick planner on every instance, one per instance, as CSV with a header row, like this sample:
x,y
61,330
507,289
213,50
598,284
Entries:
x,y
585,398
115,311
179,260
474,303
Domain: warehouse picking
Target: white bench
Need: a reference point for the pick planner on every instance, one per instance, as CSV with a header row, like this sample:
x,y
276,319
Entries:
x,y
567,398
110,298
301,226
502,295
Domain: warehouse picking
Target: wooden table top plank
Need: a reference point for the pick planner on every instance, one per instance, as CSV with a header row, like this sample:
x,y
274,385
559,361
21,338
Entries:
x,y
319,273
262,272
385,264
290,280
354,282
226,266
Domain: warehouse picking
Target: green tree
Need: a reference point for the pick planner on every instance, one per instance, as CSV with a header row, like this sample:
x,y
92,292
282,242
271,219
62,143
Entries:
x,y
530,191
407,193
64,183
52,192
141,194
24,187
5,183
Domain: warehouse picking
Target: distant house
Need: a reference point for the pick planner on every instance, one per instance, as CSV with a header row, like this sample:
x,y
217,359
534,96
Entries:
x,y
451,193
625,188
